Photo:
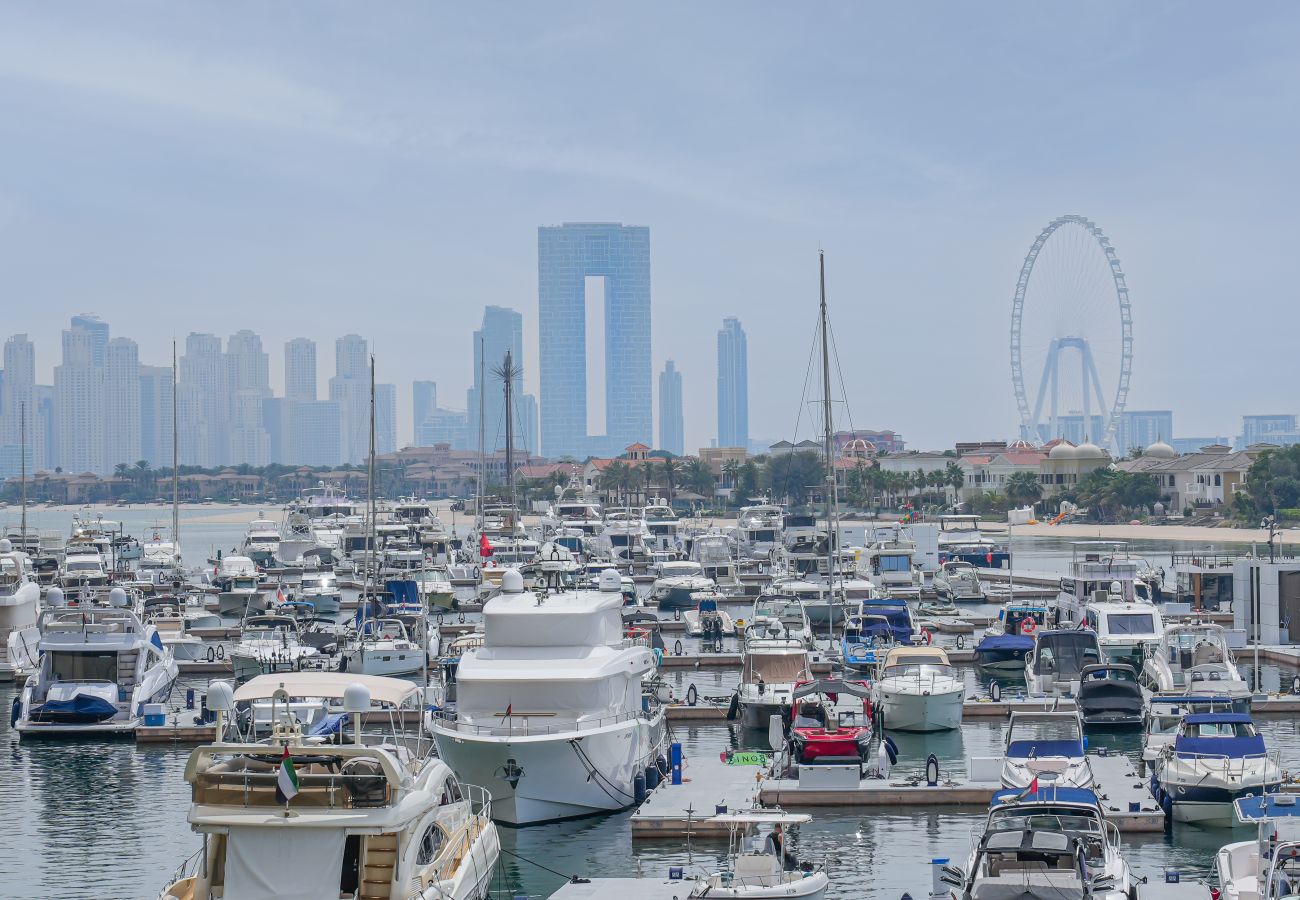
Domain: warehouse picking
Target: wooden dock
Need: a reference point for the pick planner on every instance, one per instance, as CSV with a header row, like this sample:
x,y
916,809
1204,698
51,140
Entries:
x,y
708,783
176,734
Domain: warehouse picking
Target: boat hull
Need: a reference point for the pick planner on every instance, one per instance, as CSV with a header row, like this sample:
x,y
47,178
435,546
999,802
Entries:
x,y
239,603
562,776
910,711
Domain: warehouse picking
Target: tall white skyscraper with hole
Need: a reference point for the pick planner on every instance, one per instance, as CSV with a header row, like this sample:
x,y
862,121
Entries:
x,y
733,385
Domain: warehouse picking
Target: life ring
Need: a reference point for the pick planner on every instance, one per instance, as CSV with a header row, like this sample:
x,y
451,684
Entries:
x,y
929,638
1028,625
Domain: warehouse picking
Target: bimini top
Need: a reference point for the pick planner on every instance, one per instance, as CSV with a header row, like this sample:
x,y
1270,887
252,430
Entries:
x,y
1216,718
1231,735
328,685
1047,794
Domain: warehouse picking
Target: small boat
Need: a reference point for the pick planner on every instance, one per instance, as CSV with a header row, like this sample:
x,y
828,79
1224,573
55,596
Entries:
x,y
762,868
1055,665
320,588
1010,639
823,730
240,587
1110,696
959,582
1164,716
866,640
707,619
775,617
1193,659
383,647
1046,745
1049,842
936,608
918,690
271,643
677,581
1267,867
770,669
1216,759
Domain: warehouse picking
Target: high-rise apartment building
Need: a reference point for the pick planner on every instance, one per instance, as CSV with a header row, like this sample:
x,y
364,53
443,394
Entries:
x,y
424,400
444,426
247,386
300,370
672,426
18,402
122,426
202,402
733,385
385,418
1141,428
312,433
79,397
568,257
1280,429
156,415
350,389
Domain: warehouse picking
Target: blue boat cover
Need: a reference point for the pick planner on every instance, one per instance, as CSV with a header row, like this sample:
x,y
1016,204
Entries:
x,y
1022,749
1047,794
709,605
998,642
1267,806
895,611
328,725
1218,718
403,591
1231,747
82,706
156,640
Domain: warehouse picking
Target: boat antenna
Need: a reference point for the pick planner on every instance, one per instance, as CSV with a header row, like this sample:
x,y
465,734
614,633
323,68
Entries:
x,y
478,491
176,510
508,372
828,441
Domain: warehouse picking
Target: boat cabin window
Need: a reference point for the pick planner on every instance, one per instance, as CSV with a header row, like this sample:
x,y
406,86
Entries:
x,y
894,563
1219,729
68,666
430,845
785,668
917,669
1130,623
1066,652
83,565
766,535
1164,724
1112,675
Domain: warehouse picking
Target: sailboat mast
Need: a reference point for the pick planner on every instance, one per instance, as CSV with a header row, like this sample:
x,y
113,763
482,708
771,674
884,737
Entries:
x,y
370,479
482,389
176,496
828,442
22,431
508,375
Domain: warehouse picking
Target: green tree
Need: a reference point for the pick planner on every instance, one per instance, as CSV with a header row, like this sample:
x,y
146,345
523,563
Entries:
x,y
1272,483
790,476
698,478
1023,488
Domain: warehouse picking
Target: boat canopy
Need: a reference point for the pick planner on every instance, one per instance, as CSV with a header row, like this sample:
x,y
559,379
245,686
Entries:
x,y
1267,806
329,685
1046,794
916,656
832,686
1230,735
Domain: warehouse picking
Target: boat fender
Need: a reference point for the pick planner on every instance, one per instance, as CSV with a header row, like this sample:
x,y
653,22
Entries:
x,y
891,749
15,712
677,647
692,695
221,651
639,787
929,638
659,656
732,710
961,642
212,654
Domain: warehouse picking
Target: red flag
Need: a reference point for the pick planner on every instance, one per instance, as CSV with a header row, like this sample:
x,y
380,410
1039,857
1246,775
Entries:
x,y
509,707
484,548
989,557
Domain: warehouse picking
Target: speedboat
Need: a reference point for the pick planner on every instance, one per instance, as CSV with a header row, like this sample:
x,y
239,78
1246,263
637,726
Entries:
x,y
758,529
1124,630
1215,759
1267,867
1048,842
770,668
707,619
1164,716
918,690
20,595
960,538
825,730
865,641
320,812
759,867
1046,745
958,581
1193,659
1010,639
383,647
262,542
1057,661
551,714
100,666
778,616
239,582
83,574
165,613
677,580
271,643
1110,697
320,588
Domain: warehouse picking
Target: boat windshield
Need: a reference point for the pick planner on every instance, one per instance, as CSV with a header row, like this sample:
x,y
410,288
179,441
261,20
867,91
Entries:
x,y
1220,729
917,670
1076,820
83,565
1164,724
1066,653
773,668
1130,623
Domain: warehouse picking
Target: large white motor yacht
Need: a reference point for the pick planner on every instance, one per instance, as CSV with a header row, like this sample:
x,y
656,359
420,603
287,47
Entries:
x,y
239,587
20,597
550,715
99,667
918,690
1046,746
357,815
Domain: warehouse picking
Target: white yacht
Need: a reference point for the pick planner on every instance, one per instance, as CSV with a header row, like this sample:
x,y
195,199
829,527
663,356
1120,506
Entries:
x,y
358,815
99,667
271,643
159,557
1193,659
382,647
755,873
549,714
889,562
1124,628
778,616
240,592
1215,759
1055,666
958,581
320,588
1266,867
20,599
166,613
1164,717
661,526
1046,746
918,690
675,583
1053,842
759,529
83,574
769,671
262,542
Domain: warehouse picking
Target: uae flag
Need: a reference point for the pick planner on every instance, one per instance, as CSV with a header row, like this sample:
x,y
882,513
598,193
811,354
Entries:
x,y
286,783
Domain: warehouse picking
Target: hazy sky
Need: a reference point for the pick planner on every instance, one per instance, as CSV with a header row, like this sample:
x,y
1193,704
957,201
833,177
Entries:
x,y
314,169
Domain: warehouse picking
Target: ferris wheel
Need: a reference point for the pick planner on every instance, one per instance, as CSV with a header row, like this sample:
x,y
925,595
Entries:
x,y
1071,300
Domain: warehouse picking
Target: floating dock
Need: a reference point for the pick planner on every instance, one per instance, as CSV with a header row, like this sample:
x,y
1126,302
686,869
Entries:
x,y
176,734
708,783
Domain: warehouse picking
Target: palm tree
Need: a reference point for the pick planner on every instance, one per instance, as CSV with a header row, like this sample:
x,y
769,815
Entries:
x,y
1023,487
614,480
670,469
730,473
698,477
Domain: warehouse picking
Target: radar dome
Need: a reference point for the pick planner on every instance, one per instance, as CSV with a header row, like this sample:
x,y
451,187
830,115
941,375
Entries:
x,y
356,698
5,545
221,696
117,598
512,582
54,597
610,580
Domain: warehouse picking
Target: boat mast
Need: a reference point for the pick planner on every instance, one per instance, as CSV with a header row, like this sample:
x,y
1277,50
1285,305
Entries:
x,y
176,509
828,442
22,431
478,491
370,484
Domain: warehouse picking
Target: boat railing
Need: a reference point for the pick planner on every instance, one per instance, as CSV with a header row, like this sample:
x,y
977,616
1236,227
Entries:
x,y
526,724
319,790
188,869
1229,765
461,843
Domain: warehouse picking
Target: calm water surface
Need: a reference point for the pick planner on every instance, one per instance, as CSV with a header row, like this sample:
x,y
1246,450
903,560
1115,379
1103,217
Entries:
x,y
105,820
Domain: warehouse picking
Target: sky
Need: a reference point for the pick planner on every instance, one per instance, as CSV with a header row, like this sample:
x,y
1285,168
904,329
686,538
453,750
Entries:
x,y
318,169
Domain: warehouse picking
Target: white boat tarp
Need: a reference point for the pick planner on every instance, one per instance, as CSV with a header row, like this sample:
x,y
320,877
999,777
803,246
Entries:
x,y
284,863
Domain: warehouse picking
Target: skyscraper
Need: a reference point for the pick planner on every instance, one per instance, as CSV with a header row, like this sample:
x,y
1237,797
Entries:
x,y
350,389
1142,428
312,433
733,385
202,403
18,397
121,403
567,256
424,400
156,415
79,397
502,332
672,427
247,386
385,418
300,370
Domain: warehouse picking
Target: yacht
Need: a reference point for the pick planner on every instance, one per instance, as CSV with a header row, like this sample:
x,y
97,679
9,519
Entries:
x,y
778,616
1164,716
365,816
1124,629
770,670
1010,639
1266,867
383,646
918,690
1110,696
627,534
889,562
99,667
240,587
676,582
1214,760
958,581
961,539
1050,842
1046,746
83,574
161,556
1193,659
661,527
1055,666
262,542
707,619
550,714
165,613
271,643
20,599
320,588
865,641
759,527
1101,572
755,873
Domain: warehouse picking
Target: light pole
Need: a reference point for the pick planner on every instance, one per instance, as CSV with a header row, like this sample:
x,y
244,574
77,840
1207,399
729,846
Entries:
x,y
1270,522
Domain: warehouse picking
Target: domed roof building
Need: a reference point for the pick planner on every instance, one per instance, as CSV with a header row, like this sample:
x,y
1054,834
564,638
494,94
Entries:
x,y
1089,450
1060,449
1066,464
1160,450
